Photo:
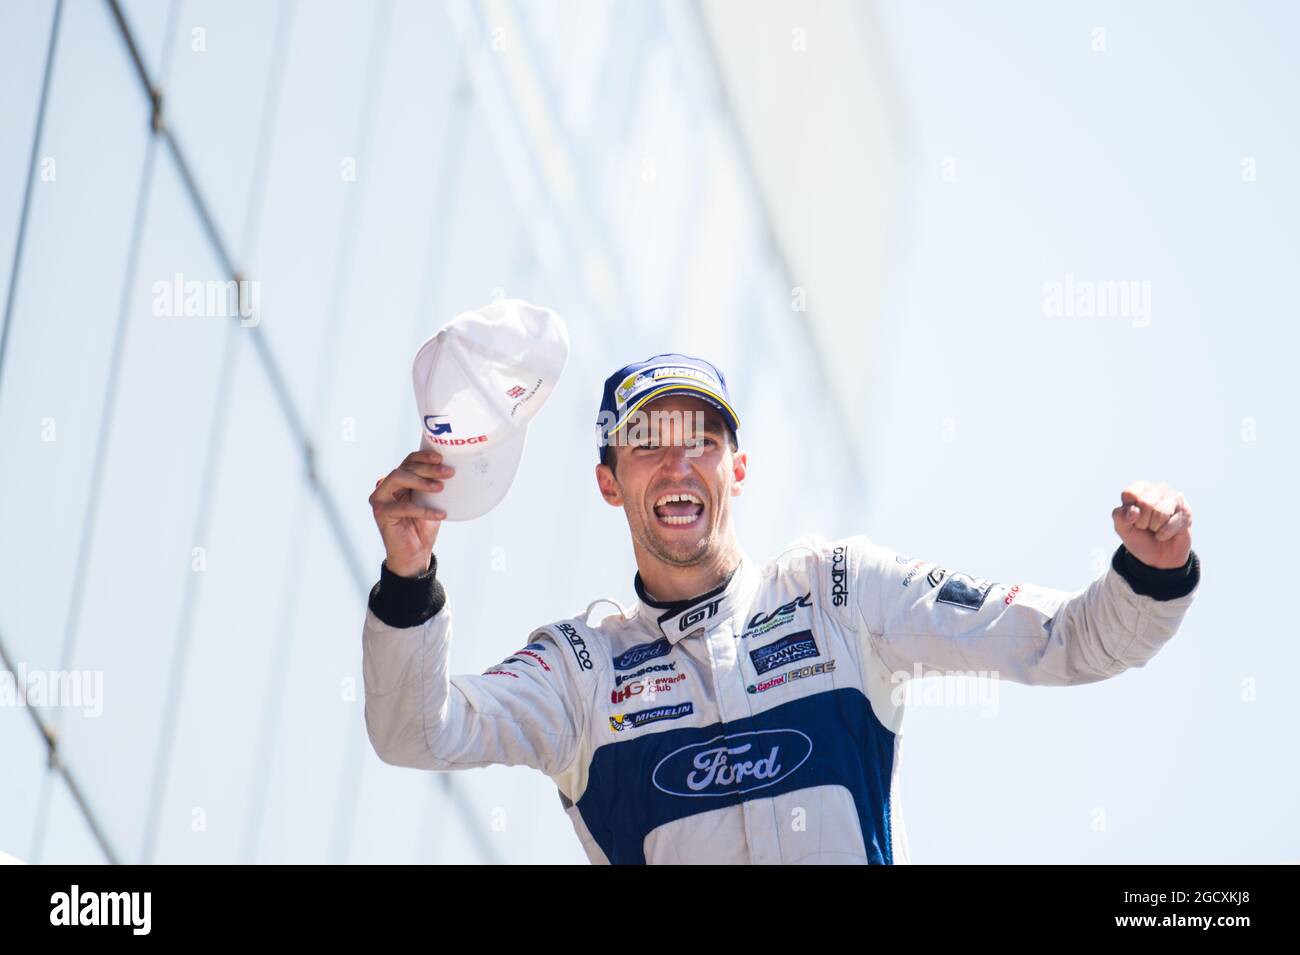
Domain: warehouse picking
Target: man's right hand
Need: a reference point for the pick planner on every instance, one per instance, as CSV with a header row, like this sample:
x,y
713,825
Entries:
x,y
408,528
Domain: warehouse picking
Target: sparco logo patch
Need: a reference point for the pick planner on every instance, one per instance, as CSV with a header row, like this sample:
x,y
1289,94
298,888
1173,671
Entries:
x,y
732,765
577,643
839,578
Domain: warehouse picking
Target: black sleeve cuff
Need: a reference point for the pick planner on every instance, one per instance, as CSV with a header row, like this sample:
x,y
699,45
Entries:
x,y
1154,582
407,601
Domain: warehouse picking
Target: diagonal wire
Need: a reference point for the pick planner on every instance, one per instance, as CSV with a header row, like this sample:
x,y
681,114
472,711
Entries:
x,y
270,364
816,348
31,181
217,431
449,164
257,339
268,722
344,270
90,516
57,764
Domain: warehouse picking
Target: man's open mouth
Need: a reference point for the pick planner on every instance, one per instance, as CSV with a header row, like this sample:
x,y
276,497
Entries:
x,y
678,510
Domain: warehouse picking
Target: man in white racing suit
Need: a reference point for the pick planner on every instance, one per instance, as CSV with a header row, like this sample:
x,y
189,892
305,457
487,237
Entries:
x,y
737,713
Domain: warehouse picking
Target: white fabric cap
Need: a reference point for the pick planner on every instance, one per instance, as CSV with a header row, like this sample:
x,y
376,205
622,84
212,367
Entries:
x,y
478,382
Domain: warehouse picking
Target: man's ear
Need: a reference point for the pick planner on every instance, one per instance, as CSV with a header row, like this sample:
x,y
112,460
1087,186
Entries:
x,y
739,468
609,488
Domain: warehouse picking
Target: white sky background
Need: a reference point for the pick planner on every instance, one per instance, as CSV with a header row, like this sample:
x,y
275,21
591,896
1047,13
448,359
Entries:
x,y
995,439
1125,164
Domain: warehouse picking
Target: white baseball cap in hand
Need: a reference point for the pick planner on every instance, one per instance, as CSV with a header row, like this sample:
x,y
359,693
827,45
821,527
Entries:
x,y
478,382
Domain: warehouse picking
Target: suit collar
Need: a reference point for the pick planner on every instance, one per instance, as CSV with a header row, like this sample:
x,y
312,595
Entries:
x,y
684,618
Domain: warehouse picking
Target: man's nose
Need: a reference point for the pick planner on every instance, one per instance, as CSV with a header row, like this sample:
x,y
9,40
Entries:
x,y
677,458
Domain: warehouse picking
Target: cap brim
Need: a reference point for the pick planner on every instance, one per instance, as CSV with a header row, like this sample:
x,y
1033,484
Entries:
x,y
691,391
483,476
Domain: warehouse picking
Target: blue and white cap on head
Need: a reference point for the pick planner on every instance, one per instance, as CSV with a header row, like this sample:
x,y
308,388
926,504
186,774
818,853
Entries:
x,y
631,387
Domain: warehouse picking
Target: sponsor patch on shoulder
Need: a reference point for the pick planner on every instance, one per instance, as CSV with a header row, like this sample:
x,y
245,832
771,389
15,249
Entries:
x,y
839,577
962,590
577,644
531,652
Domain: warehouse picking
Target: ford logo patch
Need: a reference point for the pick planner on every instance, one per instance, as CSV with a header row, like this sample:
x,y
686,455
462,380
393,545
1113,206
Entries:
x,y
732,765
633,658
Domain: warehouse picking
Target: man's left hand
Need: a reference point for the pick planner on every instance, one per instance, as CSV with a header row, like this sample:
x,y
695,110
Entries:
x,y
1155,524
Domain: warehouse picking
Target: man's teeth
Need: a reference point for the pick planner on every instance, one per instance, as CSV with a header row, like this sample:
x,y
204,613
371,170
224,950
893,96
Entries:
x,y
679,498
681,519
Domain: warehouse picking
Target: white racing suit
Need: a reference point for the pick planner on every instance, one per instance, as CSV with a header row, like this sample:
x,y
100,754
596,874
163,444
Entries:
x,y
757,723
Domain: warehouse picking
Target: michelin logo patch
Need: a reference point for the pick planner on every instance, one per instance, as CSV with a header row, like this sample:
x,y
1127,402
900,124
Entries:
x,y
630,721
959,590
789,649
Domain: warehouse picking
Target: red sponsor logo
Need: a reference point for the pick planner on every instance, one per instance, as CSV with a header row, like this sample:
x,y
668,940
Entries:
x,y
1011,595
536,656
455,442
658,685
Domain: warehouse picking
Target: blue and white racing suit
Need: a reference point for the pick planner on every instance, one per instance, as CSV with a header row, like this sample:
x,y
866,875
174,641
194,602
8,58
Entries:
x,y
757,723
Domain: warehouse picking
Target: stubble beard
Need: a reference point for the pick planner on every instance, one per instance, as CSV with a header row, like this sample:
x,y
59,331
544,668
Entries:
x,y
677,554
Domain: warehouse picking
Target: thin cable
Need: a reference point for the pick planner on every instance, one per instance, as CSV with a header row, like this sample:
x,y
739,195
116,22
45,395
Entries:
x,y
155,97
275,376
268,723
270,365
50,737
90,517
213,454
31,181
344,270
454,143
744,154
